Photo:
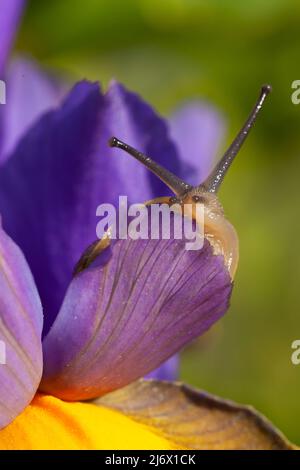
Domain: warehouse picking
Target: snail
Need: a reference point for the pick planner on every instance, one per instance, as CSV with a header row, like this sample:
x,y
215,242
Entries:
x,y
217,229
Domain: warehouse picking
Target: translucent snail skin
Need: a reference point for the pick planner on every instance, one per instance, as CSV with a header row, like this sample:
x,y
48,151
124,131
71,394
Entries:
x,y
218,230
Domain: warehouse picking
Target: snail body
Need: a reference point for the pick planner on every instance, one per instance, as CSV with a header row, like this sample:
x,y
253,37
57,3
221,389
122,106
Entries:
x,y
217,229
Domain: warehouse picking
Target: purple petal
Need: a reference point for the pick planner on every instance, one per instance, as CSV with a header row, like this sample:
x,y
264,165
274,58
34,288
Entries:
x,y
197,129
167,371
135,122
122,320
20,332
29,94
63,169
10,12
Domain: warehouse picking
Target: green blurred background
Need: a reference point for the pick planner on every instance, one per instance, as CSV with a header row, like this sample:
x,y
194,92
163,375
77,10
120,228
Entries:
x,y
173,50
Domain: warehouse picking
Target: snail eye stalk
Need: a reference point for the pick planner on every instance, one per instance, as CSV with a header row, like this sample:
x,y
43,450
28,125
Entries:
x,y
215,179
178,186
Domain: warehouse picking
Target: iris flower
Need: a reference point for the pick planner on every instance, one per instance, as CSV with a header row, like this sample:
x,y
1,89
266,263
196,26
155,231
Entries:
x,y
78,347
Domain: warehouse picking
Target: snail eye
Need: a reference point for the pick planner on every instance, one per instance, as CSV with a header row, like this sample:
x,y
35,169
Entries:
x,y
174,200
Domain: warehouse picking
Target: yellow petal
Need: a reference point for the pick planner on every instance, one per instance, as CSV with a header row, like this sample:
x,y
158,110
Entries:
x,y
49,423
193,419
